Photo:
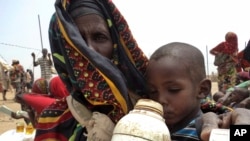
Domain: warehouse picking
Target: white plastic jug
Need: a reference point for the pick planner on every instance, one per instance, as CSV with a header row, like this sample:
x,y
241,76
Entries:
x,y
144,123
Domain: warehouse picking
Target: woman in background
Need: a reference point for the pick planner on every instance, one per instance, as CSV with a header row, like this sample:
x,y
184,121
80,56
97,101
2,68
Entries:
x,y
226,60
244,64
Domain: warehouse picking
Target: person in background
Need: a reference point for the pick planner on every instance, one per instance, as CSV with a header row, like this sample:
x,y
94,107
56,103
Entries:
x,y
5,79
45,63
31,74
29,79
42,95
17,77
226,61
244,64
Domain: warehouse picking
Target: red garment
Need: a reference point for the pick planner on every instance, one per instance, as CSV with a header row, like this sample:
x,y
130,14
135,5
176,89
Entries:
x,y
40,98
40,86
229,46
57,88
243,64
37,101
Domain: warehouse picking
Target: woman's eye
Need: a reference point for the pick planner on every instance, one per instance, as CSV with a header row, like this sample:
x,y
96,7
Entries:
x,y
100,37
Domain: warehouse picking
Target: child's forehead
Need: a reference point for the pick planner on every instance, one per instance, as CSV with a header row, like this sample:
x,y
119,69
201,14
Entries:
x,y
168,64
174,58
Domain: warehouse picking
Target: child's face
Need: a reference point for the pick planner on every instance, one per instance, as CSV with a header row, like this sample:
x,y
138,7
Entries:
x,y
170,84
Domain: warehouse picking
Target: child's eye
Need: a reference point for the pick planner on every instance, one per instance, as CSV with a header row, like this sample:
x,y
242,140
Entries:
x,y
174,90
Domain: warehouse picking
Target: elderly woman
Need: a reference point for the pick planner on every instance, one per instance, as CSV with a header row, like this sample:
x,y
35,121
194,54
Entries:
x,y
97,57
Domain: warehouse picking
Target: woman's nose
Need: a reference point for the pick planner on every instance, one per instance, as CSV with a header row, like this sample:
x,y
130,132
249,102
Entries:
x,y
90,45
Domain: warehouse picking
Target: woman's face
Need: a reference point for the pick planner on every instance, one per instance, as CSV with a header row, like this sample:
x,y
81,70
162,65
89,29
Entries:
x,y
95,32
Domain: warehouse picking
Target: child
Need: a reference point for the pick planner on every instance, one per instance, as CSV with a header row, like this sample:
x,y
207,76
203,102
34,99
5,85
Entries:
x,y
176,78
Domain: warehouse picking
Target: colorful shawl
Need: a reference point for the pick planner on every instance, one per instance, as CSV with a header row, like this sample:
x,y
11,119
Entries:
x,y
40,86
229,46
42,95
209,105
98,83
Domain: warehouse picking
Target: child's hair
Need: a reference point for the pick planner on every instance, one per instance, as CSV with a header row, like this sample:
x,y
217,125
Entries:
x,y
184,54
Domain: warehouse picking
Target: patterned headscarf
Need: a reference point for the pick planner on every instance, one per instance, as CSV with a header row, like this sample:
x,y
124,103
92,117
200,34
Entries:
x,y
93,79
229,46
40,86
99,83
231,43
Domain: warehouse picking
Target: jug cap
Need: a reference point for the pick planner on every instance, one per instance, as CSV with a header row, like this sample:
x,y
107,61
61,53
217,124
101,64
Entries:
x,y
148,104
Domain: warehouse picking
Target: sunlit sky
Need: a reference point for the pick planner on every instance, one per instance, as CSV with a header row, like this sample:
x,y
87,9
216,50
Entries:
x,y
202,23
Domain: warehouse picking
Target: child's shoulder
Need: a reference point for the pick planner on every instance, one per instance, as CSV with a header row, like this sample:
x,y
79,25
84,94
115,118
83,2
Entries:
x,y
188,133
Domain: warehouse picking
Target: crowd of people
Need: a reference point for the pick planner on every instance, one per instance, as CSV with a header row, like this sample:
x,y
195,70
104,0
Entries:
x,y
15,77
101,69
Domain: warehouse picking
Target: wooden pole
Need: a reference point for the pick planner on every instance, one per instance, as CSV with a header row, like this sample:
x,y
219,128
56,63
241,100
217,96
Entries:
x,y
40,31
207,61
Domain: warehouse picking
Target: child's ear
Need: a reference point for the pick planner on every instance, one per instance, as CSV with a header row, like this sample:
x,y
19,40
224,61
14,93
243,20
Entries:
x,y
204,88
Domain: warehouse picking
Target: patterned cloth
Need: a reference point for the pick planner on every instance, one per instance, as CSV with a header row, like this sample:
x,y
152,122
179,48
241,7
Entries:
x,y
42,96
17,75
226,60
188,133
209,105
98,83
40,86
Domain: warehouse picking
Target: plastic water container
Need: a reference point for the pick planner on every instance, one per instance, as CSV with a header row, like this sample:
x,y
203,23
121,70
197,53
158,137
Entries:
x,y
144,123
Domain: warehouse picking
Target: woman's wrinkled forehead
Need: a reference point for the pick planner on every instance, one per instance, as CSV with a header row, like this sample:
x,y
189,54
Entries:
x,y
79,8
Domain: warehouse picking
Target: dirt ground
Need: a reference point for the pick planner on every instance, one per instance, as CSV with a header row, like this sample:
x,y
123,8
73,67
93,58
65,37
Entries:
x,y
7,123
